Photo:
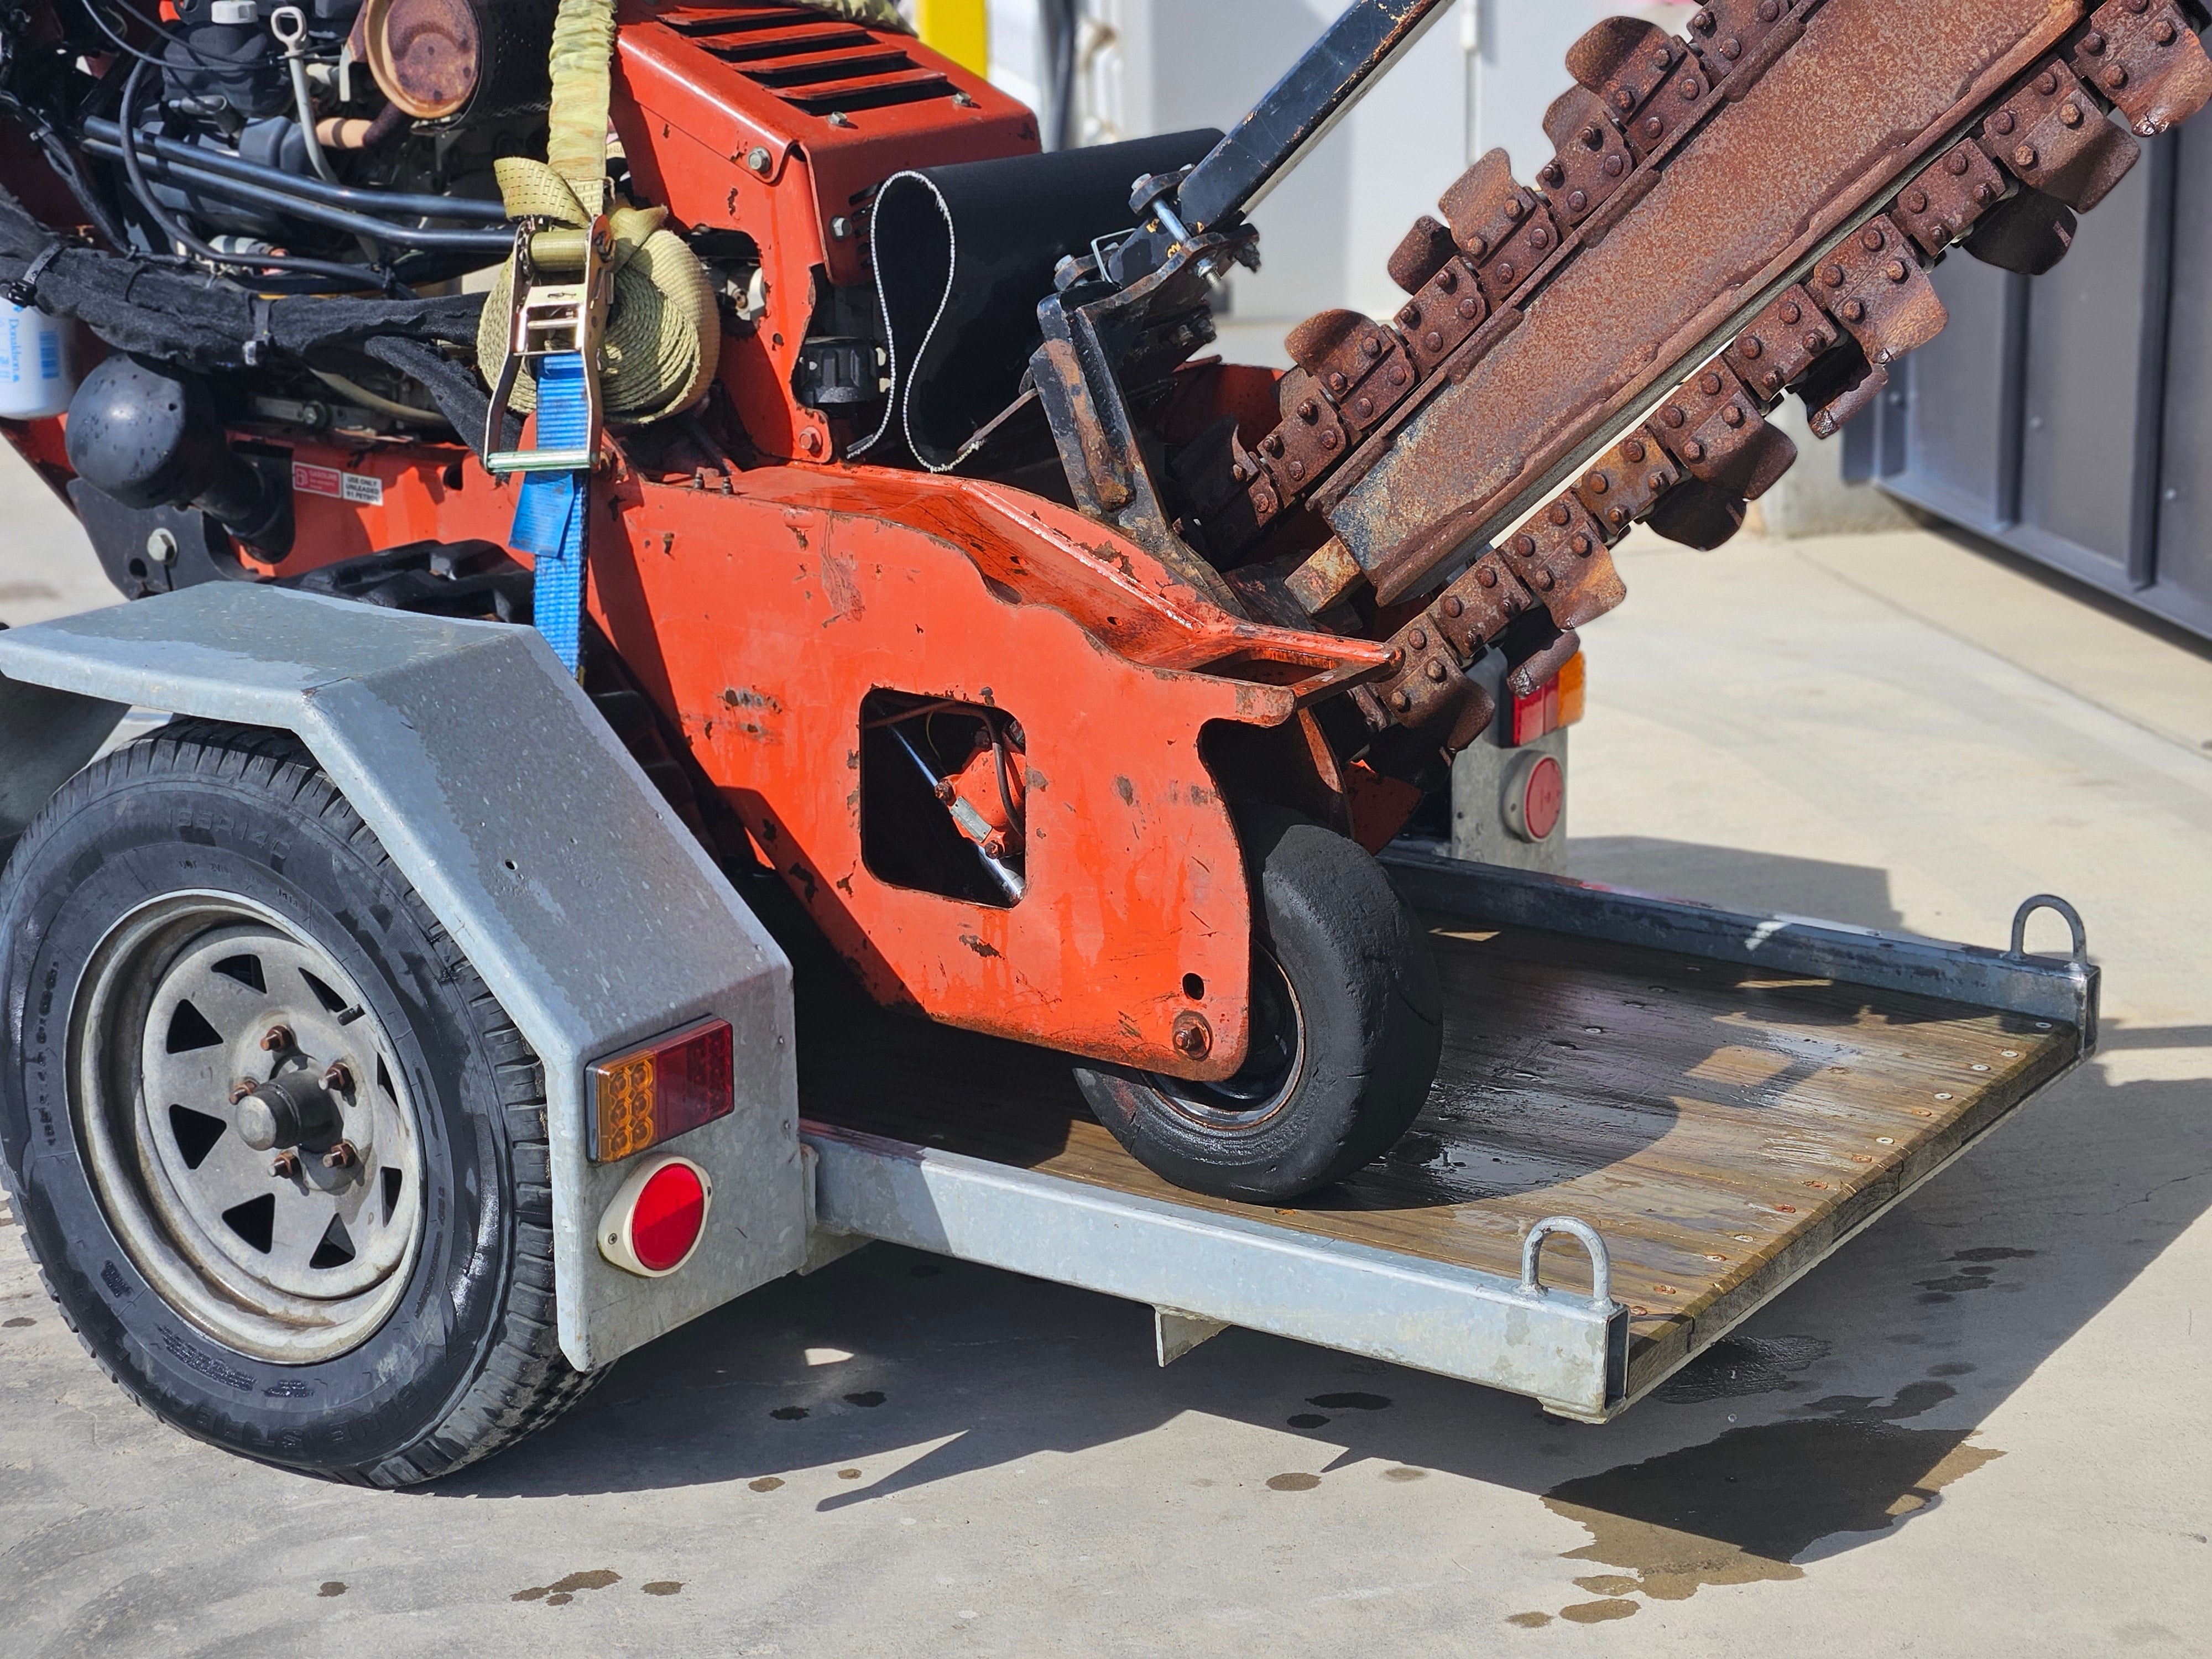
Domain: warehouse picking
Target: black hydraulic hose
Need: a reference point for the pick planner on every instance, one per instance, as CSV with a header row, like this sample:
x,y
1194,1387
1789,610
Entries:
x,y
231,166
487,241
361,276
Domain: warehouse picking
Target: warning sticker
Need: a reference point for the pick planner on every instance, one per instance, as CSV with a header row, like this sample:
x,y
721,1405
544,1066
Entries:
x,y
358,486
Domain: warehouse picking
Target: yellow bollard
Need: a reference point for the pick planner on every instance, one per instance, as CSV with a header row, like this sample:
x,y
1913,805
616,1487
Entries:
x,y
961,29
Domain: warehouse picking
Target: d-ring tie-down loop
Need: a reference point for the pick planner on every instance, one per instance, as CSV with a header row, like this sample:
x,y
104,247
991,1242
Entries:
x,y
1601,1263
2058,906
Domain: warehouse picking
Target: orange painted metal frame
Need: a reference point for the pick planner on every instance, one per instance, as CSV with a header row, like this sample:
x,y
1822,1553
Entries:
x,y
761,620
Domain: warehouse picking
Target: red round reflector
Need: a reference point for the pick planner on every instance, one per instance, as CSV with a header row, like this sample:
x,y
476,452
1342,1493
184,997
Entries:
x,y
1543,798
670,1214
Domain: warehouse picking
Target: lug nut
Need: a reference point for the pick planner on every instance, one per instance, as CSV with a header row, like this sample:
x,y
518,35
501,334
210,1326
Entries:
x,y
285,1166
339,1078
243,1087
277,1039
341,1157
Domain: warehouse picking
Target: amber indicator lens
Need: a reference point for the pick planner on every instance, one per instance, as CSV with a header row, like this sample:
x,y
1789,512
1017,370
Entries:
x,y
666,1089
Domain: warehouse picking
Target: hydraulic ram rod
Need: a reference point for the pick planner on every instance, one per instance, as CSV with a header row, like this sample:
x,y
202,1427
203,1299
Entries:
x,y
1304,106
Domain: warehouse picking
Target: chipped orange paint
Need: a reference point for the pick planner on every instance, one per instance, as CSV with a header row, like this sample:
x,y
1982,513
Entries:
x,y
762,620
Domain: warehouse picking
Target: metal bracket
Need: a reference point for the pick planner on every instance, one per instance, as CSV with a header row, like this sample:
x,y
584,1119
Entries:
x,y
2059,906
1600,1296
1175,1333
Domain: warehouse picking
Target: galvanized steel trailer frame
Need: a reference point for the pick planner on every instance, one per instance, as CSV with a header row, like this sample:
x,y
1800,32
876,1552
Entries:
x,y
598,920
1203,1271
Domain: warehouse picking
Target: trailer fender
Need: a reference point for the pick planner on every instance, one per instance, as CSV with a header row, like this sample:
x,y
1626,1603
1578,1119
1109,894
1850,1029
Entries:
x,y
592,913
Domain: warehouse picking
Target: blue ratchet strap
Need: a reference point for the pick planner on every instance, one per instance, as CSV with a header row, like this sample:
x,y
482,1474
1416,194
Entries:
x,y
550,519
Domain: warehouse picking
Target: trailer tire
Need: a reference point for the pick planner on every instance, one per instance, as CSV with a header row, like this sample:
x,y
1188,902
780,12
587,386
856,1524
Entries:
x,y
420,1333
1347,1031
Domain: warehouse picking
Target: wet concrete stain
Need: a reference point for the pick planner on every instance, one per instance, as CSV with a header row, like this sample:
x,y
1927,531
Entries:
x,y
1401,1473
765,1483
867,1399
1528,1620
1309,1420
333,1588
1978,1276
1736,1366
849,1474
562,1591
1740,1509
17,1324
788,1413
664,1586
1293,1482
1351,1402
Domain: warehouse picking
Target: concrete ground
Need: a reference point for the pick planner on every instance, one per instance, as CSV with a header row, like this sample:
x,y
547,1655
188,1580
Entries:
x,y
1977,1431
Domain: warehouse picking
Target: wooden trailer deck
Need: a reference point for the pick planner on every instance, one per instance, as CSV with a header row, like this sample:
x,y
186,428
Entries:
x,y
1722,1127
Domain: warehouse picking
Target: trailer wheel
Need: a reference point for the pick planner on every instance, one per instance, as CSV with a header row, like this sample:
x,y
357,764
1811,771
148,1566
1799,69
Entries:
x,y
279,1153
1347,1028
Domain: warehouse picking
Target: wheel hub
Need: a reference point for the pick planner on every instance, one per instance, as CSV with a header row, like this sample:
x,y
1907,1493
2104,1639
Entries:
x,y
247,1126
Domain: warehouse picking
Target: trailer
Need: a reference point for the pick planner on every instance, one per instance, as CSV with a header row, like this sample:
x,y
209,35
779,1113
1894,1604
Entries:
x,y
1692,1107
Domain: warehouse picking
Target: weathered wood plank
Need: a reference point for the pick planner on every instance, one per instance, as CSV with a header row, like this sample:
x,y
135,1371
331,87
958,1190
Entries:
x,y
1720,1127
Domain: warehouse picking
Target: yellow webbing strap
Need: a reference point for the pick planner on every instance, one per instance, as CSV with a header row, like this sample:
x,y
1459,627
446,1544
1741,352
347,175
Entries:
x,y
664,333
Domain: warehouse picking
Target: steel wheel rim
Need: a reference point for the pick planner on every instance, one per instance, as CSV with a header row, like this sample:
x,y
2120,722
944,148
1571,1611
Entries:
x,y
294,1267
1275,1062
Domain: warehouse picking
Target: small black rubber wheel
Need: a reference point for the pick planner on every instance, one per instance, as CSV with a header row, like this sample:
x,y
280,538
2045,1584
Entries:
x,y
279,1153
1347,1026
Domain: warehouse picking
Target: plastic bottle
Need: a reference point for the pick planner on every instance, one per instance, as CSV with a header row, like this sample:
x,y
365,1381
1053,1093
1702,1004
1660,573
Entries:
x,y
36,378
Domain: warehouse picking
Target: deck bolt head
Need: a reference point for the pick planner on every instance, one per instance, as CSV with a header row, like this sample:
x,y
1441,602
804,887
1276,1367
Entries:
x,y
277,1039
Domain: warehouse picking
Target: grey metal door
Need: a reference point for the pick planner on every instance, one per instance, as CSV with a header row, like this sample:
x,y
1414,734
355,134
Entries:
x,y
2069,417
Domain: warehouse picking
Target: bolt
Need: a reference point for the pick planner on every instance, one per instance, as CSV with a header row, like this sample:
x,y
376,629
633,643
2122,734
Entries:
x,y
1470,308
1815,341
1710,384
1298,471
1790,312
1694,452
1399,374
1372,345
1615,166
1871,239
1733,415
1731,49
1690,89
1448,281
1485,575
2163,31
1916,201
277,1039
1330,438
1364,409
759,160
1338,385
2093,43
1752,347
1513,208
1546,580
1653,126
343,1156
2069,115
1434,340
1401,701
1552,175
1897,270
1506,273
2003,122
339,1078
1958,164
1309,412
243,1087
1598,483
2115,78
1618,515
1539,239
1593,136
1631,450
1581,545
1418,638
2047,83
810,441
1436,670
2024,158
1833,275
1769,10
1854,312
1658,483
1577,200
285,1166
1454,606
